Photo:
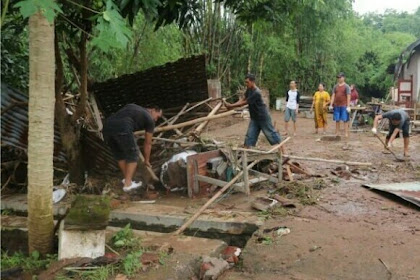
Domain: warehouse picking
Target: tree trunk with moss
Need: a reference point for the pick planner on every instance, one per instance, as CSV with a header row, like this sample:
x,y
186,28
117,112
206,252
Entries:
x,y
41,134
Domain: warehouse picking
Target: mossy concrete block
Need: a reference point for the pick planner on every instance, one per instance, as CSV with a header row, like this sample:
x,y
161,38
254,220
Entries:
x,y
88,213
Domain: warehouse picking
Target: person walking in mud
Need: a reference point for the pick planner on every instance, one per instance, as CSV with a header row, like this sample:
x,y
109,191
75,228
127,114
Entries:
x,y
260,117
119,135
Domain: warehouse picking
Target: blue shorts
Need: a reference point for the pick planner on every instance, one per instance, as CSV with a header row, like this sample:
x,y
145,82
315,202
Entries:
x,y
254,129
341,114
289,113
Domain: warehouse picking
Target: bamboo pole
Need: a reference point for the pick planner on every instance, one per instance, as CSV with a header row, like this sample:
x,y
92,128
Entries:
x,y
174,118
202,125
177,131
221,191
329,160
188,123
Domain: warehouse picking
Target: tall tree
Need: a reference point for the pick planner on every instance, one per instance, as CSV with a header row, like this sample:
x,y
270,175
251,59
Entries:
x,y
41,133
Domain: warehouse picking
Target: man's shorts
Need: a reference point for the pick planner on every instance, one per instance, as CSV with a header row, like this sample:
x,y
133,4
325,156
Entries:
x,y
121,141
405,130
341,114
254,129
290,113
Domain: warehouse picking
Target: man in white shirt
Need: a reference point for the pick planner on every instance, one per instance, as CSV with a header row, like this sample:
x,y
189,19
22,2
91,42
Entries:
x,y
292,107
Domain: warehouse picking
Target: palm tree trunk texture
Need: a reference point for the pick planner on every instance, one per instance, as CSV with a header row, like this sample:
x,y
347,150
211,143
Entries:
x,y
41,134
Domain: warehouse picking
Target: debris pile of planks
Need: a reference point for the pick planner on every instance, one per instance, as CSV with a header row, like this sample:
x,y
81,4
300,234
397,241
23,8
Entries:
x,y
181,129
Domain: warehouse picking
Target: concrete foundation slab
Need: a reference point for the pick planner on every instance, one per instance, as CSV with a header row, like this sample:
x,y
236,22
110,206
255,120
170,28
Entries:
x,y
163,218
79,243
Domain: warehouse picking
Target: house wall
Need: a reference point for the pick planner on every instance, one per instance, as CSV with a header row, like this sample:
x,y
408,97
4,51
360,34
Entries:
x,y
414,69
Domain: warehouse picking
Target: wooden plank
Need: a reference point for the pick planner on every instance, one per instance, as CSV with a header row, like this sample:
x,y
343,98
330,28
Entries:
x,y
264,175
245,177
280,167
201,161
353,118
289,173
219,193
329,160
272,156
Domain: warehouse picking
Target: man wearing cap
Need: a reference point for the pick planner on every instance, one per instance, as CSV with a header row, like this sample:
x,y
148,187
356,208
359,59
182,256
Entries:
x,y
399,120
340,102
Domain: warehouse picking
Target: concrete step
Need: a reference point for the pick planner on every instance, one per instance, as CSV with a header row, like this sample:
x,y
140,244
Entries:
x,y
194,246
163,218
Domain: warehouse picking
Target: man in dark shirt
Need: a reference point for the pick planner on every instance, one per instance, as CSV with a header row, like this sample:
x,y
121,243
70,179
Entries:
x,y
260,118
118,134
399,121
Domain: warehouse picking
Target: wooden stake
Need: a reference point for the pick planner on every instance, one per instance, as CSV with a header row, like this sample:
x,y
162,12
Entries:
x,y
289,173
245,168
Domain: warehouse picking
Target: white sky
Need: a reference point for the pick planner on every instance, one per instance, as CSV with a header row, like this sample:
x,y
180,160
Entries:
x,y
365,6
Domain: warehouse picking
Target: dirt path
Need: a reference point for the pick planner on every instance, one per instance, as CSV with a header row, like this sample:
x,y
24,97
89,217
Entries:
x,y
352,233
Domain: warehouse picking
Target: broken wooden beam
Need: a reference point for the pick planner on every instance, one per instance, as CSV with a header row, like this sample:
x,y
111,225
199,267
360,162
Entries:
x,y
213,112
329,160
188,123
260,151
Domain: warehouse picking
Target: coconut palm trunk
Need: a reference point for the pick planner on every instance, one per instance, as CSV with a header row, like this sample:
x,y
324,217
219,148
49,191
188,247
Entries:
x,y
41,134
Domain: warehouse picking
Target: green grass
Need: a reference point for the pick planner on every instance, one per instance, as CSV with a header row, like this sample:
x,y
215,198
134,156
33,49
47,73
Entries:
x,y
29,263
125,238
273,212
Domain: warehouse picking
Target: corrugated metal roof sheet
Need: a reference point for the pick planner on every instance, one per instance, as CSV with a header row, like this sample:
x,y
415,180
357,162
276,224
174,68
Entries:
x,y
14,133
14,122
409,191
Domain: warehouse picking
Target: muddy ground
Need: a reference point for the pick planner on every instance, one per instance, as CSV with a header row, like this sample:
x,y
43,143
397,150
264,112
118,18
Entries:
x,y
352,232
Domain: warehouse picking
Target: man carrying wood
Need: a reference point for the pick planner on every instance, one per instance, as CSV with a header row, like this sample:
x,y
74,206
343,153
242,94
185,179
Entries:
x,y
118,134
260,118
399,120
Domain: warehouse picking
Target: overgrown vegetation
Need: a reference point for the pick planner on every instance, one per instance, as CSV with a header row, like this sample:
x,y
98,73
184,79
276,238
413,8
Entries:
x,y
127,245
31,263
125,238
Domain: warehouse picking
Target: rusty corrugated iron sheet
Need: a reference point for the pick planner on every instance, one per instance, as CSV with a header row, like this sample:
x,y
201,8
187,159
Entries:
x,y
167,86
14,134
14,122
409,191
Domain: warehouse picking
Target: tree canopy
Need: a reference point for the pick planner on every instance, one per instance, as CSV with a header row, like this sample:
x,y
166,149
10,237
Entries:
x,y
278,40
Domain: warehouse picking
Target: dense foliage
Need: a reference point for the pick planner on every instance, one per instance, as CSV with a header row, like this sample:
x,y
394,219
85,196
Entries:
x,y
278,40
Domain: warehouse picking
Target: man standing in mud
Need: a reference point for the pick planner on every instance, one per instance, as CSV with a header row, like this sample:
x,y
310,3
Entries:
x,y
260,117
119,135
340,103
